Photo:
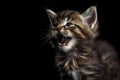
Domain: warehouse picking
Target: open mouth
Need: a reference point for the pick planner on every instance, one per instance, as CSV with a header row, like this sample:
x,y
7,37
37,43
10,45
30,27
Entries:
x,y
62,40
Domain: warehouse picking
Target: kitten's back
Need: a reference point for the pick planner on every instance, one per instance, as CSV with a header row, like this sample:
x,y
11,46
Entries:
x,y
109,58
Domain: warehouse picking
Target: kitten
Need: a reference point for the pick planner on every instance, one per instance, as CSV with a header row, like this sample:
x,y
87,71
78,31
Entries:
x,y
79,55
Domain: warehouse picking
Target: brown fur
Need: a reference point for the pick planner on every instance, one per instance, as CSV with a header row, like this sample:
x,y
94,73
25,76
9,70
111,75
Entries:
x,y
91,59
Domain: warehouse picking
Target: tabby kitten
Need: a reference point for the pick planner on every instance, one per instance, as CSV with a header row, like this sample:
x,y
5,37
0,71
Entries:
x,y
79,55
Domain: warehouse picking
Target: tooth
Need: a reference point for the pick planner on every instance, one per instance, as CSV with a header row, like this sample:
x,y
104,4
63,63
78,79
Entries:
x,y
59,43
64,44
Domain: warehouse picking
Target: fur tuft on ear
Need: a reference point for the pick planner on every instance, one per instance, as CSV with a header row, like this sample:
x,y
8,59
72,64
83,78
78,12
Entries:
x,y
52,16
90,18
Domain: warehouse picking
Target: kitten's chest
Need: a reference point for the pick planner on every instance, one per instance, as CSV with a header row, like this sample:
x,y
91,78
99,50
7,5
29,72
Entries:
x,y
71,61
76,65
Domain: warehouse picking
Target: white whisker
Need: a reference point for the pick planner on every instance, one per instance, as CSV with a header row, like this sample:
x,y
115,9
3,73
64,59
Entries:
x,y
45,39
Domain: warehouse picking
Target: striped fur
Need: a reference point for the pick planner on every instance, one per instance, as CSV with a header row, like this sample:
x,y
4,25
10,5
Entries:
x,y
79,55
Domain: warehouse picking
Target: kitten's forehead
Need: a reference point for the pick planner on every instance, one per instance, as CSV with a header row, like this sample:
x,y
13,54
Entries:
x,y
69,14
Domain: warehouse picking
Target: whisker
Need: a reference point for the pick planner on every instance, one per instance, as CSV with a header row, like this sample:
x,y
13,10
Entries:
x,y
44,33
45,40
44,30
44,37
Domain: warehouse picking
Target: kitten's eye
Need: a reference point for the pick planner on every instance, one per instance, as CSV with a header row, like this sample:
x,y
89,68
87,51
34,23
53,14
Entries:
x,y
69,24
55,24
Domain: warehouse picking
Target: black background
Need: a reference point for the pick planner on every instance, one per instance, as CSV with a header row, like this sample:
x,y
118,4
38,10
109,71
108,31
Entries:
x,y
39,58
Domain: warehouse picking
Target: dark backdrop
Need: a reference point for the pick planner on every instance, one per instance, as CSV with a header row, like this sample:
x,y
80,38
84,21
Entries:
x,y
41,58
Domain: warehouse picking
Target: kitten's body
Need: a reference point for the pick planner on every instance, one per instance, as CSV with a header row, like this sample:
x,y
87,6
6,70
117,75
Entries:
x,y
100,62
79,55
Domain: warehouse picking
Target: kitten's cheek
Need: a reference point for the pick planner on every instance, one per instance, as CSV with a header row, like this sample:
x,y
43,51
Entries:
x,y
54,33
69,33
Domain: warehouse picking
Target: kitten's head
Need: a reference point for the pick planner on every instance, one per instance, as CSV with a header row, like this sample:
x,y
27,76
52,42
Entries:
x,y
69,28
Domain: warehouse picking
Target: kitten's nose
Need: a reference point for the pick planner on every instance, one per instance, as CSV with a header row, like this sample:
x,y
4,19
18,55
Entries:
x,y
60,27
61,30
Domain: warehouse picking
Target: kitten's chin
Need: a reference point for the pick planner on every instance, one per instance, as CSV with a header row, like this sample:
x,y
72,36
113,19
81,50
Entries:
x,y
67,46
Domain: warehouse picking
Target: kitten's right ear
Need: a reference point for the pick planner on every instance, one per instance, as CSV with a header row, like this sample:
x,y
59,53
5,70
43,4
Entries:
x,y
52,16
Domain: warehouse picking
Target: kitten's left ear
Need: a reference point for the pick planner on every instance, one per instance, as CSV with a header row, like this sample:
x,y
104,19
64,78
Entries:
x,y
52,16
90,17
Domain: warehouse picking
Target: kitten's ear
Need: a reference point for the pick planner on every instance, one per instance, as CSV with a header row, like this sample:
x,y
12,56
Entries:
x,y
90,17
52,16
